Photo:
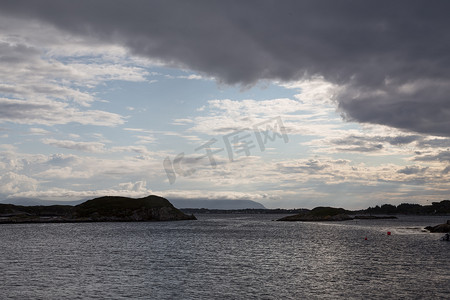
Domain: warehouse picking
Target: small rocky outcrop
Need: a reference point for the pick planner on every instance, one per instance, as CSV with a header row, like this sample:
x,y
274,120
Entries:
x,y
441,228
319,214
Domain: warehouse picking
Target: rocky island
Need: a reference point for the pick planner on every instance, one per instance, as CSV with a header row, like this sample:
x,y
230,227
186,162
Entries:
x,y
320,214
103,209
330,214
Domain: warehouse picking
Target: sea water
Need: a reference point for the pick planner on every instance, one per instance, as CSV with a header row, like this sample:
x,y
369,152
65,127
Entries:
x,y
225,257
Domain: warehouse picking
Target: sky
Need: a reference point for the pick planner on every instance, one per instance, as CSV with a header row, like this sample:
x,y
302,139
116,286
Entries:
x,y
288,103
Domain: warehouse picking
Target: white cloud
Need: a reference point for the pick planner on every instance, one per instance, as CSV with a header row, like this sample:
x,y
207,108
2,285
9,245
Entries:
x,y
96,73
312,112
49,112
48,74
137,149
145,139
194,77
216,195
65,173
150,136
59,175
95,147
138,186
224,116
11,183
92,147
69,194
274,182
38,131
182,121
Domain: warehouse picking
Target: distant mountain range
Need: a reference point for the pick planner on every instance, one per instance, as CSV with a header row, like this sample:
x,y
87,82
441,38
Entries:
x,y
178,203
35,202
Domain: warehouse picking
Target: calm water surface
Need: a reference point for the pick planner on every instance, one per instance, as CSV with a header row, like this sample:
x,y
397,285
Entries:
x,y
225,257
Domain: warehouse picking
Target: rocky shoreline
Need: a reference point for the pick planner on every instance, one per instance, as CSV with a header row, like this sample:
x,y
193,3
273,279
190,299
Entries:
x,y
312,218
321,214
441,228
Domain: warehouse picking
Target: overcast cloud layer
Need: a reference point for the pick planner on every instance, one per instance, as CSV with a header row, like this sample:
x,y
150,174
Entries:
x,y
390,58
96,97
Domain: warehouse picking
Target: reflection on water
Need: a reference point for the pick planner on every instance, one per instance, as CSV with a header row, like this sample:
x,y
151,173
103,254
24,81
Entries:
x,y
225,256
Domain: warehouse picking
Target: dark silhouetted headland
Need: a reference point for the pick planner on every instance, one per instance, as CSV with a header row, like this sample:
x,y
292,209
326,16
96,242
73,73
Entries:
x,y
103,209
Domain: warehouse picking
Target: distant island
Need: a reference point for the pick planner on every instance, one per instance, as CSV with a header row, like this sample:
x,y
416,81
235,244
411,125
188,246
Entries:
x,y
340,214
329,214
216,204
436,208
320,214
103,209
388,210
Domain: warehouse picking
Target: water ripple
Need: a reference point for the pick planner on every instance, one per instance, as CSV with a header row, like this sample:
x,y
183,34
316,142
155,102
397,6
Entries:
x,y
224,257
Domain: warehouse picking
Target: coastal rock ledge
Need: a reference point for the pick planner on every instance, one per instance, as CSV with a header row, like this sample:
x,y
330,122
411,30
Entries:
x,y
441,228
103,209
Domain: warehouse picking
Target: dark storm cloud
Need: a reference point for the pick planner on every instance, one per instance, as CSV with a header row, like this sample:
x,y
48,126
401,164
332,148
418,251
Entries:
x,y
359,143
391,57
443,143
16,54
446,170
402,140
412,170
370,148
443,156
